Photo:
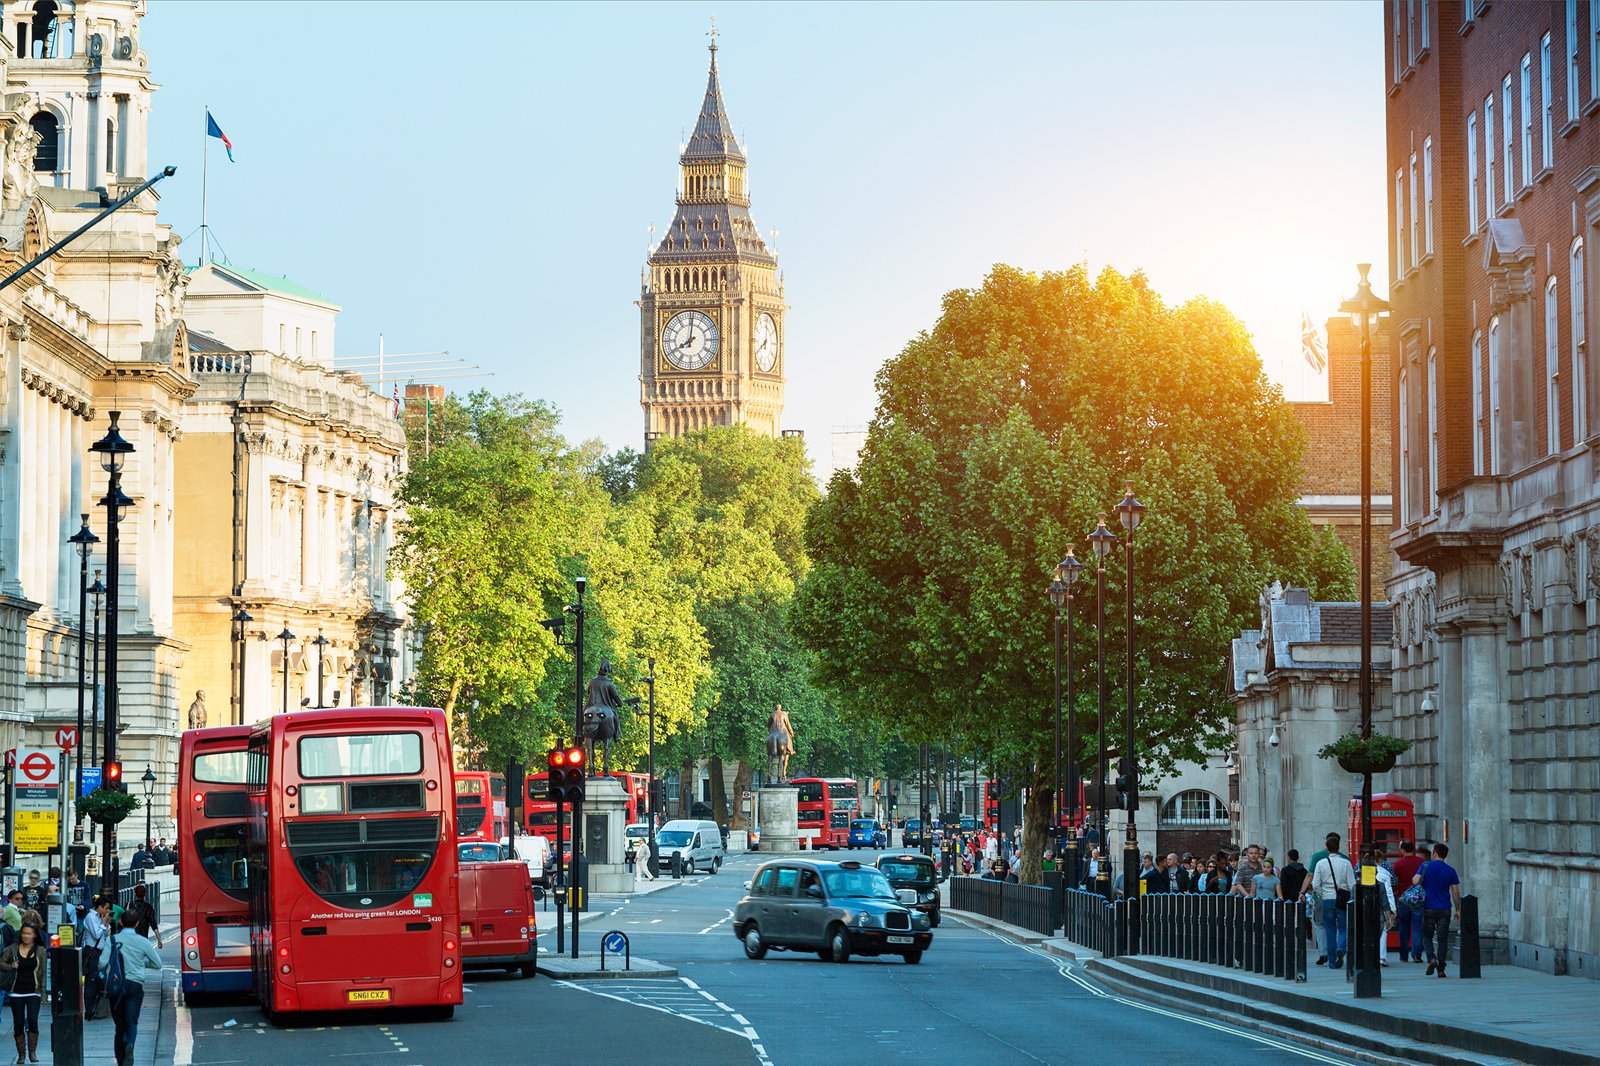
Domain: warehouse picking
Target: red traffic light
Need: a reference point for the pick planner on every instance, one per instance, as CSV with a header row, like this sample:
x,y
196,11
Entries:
x,y
558,758
114,775
574,756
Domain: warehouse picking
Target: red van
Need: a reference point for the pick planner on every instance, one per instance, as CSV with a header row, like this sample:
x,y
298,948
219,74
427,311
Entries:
x,y
497,916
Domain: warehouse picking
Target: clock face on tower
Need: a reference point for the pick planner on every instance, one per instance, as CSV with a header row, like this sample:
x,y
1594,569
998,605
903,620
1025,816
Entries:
x,y
690,340
766,344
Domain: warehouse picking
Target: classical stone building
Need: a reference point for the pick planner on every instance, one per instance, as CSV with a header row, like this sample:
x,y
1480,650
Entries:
x,y
1493,134
88,332
711,336
285,507
1296,687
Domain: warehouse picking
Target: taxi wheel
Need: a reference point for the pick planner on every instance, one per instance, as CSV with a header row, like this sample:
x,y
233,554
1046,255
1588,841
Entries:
x,y
838,944
753,947
914,956
936,919
825,955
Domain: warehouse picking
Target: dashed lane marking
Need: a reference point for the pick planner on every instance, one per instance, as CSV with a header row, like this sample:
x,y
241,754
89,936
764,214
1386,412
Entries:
x,y
681,1003
714,925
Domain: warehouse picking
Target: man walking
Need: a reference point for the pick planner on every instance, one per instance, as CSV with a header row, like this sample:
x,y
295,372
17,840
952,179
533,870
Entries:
x,y
1244,878
1410,921
1332,882
139,964
1442,887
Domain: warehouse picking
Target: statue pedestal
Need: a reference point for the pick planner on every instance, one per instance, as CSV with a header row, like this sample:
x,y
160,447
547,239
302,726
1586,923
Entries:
x,y
605,838
779,815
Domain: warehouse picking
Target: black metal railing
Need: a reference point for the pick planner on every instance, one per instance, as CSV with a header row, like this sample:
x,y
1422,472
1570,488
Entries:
x,y
1259,935
1032,907
1095,923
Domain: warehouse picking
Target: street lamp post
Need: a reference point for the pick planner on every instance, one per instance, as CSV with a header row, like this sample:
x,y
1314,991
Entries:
x,y
1366,306
83,540
286,637
96,590
149,780
242,618
1103,540
1067,575
322,644
577,737
650,766
1131,511
113,450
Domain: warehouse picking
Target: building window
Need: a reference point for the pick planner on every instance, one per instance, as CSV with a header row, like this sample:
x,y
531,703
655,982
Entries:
x,y
1399,222
1195,807
1547,106
313,344
1572,60
297,348
1507,133
1472,173
1416,219
1399,46
1527,120
1594,49
1552,371
1477,403
1580,354
1433,429
283,341
1402,405
1411,27
1422,23
1494,395
1488,157
1427,196
47,156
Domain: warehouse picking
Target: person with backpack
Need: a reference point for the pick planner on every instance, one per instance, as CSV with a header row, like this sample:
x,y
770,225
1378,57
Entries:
x,y
22,974
144,915
128,963
95,938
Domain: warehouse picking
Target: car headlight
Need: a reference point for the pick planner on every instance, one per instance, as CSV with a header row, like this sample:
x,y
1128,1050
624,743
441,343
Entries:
x,y
921,920
929,897
863,919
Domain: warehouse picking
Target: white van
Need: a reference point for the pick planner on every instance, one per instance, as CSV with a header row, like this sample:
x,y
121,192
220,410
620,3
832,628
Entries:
x,y
697,844
534,850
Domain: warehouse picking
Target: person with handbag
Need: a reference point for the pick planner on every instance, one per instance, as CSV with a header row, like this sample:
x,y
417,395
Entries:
x,y
96,937
1386,904
1333,883
22,975
1410,904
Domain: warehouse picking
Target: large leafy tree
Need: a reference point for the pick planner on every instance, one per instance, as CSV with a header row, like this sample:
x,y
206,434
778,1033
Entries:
x,y
999,436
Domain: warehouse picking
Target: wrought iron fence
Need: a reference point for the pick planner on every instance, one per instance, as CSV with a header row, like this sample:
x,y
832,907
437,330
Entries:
x,y
1032,907
1259,935
1095,923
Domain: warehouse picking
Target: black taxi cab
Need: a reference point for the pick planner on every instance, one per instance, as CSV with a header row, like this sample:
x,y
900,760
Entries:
x,y
836,909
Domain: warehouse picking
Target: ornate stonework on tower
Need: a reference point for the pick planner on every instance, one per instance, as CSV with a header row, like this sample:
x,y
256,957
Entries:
x,y
711,338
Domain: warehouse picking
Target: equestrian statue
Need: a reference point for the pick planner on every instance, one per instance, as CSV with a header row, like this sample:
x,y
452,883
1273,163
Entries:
x,y
780,744
601,723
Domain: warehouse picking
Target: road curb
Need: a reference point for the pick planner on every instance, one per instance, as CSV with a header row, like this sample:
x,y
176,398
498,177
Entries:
x,y
587,969
1025,936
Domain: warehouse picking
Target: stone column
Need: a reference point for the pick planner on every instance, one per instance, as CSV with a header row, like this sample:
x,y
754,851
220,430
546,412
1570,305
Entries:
x,y
11,395
778,816
1485,779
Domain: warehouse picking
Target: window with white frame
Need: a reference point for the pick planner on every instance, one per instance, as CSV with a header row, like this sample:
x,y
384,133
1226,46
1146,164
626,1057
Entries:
x,y
1399,222
1489,202
1572,60
1195,807
1580,348
1594,49
1399,45
1527,120
1433,429
1405,449
1427,196
1547,107
1422,21
1552,370
1477,403
1507,138
1416,216
1472,173
1411,28
1494,395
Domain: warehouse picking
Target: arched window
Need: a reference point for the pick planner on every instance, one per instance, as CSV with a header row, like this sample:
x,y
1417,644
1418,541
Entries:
x,y
1405,449
1433,429
111,147
1494,395
1195,807
47,157
1477,404
1580,350
1552,371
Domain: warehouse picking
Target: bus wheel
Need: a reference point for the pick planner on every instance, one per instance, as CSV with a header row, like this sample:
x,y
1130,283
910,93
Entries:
x,y
442,1013
529,969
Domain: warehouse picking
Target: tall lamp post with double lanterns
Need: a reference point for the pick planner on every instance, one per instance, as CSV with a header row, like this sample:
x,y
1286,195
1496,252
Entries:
x,y
1365,307
1103,540
1061,594
113,450
149,780
84,540
1131,511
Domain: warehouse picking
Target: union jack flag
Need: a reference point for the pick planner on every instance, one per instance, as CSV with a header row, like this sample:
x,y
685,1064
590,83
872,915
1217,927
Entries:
x,y
1311,345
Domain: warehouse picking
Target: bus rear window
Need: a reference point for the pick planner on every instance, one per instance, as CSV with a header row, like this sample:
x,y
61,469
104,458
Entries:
x,y
810,791
542,818
363,864
468,786
220,768
361,755
222,856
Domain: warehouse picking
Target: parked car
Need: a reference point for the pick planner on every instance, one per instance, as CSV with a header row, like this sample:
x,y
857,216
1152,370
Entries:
x,y
865,833
836,909
696,844
915,879
913,836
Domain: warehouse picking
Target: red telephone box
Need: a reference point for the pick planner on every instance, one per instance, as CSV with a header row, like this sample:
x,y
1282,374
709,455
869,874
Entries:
x,y
1393,820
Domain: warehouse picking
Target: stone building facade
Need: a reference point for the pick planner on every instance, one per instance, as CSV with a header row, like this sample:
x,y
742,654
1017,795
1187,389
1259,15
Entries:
x,y
1296,687
1493,133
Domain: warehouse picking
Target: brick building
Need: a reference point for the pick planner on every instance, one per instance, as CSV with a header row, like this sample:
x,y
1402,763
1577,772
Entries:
x,y
1331,490
1493,182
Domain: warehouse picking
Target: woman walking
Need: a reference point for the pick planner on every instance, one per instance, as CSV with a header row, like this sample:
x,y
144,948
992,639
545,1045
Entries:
x,y
22,965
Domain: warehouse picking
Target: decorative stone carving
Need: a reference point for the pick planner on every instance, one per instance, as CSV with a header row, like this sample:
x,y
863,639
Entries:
x,y
1506,582
1530,600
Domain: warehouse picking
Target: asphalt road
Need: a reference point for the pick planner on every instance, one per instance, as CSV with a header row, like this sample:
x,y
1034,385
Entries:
x,y
975,997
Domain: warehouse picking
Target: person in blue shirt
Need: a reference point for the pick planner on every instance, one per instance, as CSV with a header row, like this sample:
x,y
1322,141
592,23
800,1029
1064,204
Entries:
x,y
140,963
1442,887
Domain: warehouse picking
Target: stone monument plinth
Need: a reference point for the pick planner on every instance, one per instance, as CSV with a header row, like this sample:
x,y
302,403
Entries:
x,y
779,818
605,838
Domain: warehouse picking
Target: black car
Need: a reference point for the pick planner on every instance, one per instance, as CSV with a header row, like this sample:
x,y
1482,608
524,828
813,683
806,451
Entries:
x,y
909,872
836,909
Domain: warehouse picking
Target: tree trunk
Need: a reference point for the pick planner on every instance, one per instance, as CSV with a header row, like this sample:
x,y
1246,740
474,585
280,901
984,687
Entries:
x,y
719,792
686,783
741,785
1035,830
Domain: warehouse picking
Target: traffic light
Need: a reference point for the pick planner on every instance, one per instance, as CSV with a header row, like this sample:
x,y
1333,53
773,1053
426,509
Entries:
x,y
566,775
114,781
1125,783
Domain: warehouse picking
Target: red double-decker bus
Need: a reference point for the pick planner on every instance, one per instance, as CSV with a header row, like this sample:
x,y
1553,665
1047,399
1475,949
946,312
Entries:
x,y
352,861
481,806
540,814
213,894
825,807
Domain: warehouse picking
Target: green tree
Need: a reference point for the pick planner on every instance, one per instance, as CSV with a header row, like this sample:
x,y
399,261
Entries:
x,y
999,436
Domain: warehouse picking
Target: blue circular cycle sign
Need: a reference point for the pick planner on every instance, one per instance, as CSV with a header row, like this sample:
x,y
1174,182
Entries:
x,y
614,943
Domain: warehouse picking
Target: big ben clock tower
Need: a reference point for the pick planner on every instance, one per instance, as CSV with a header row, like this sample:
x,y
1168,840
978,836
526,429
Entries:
x,y
711,349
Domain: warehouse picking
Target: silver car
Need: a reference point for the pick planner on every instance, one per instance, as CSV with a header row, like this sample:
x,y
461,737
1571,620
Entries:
x,y
836,909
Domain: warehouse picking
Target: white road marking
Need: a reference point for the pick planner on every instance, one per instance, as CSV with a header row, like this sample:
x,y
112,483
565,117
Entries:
x,y
651,994
713,925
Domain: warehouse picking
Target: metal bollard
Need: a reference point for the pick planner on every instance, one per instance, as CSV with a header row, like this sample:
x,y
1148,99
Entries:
x,y
66,1005
676,862
1471,958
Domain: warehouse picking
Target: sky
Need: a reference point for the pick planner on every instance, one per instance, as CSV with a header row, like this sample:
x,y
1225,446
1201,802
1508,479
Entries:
x,y
478,178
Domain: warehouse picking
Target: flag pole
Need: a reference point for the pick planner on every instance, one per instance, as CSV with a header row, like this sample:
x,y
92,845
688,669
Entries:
x,y
205,168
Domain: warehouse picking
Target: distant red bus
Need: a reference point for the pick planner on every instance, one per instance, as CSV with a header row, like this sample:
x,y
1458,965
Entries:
x,y
826,805
540,813
213,893
481,806
352,861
